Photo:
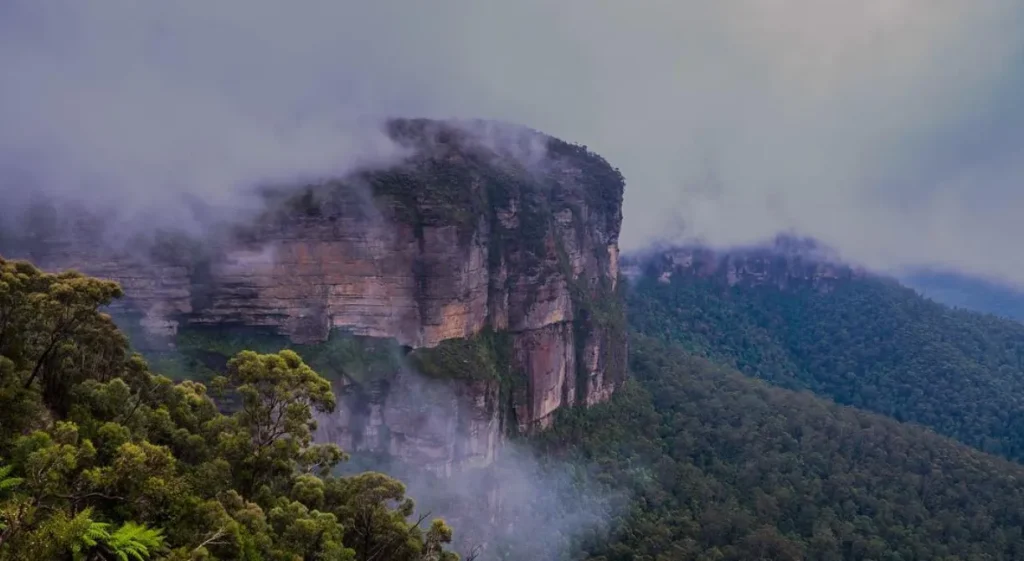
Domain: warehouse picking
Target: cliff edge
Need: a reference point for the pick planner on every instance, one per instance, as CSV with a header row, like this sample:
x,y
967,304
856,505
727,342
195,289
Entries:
x,y
490,266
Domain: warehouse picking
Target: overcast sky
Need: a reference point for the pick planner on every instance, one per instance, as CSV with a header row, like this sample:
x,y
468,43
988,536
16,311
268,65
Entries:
x,y
890,129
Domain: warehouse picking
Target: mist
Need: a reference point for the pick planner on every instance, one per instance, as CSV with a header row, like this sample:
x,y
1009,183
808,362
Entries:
x,y
446,440
161,116
888,129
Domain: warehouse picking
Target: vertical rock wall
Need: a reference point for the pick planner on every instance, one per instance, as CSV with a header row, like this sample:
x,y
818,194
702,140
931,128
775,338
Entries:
x,y
462,238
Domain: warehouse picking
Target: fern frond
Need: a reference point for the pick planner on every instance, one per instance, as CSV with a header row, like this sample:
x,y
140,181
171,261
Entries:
x,y
6,482
85,533
135,542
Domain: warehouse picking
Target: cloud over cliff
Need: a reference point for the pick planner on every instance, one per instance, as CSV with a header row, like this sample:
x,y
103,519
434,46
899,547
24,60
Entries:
x,y
890,129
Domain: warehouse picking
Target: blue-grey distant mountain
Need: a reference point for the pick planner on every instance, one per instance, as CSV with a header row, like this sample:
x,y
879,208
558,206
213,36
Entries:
x,y
971,293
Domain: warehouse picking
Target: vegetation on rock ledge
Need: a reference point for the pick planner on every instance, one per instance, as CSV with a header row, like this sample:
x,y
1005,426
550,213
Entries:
x,y
484,356
203,351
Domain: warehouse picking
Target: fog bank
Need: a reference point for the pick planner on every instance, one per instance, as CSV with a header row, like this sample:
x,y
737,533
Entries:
x,y
889,129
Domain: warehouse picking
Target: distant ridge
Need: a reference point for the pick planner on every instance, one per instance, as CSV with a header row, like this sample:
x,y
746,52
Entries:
x,y
968,292
780,313
783,261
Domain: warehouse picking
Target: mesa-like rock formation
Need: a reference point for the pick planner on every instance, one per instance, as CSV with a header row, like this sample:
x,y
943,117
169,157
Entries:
x,y
785,262
464,239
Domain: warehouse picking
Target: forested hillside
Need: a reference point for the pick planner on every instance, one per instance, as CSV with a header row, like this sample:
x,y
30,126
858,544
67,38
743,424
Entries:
x,y
102,459
867,342
723,467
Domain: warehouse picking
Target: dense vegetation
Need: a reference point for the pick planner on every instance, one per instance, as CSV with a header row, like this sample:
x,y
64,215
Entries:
x,y
722,467
102,459
202,352
870,343
363,364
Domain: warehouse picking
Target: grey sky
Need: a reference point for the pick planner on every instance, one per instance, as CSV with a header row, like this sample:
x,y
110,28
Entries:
x,y
890,129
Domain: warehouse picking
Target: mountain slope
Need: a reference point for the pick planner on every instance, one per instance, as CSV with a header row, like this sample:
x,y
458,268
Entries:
x,y
721,466
861,340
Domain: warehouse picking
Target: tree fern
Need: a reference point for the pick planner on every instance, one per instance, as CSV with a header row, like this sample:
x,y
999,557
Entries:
x,y
131,542
95,534
134,542
6,481
88,534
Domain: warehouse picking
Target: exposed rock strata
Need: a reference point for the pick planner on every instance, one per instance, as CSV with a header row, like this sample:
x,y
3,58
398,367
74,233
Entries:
x,y
458,240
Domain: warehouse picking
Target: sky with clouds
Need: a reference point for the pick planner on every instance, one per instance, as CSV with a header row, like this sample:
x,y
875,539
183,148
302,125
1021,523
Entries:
x,y
892,130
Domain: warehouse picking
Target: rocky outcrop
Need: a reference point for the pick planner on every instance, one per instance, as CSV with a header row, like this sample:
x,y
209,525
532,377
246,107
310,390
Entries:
x,y
786,262
462,238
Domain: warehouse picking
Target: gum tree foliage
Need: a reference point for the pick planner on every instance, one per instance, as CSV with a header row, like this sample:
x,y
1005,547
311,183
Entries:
x,y
714,465
870,343
100,458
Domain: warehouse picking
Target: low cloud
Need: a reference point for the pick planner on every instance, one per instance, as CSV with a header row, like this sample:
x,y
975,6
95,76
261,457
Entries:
x,y
445,440
889,129
167,116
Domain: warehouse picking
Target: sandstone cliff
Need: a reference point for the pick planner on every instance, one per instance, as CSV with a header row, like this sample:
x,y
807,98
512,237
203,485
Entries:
x,y
517,256
785,262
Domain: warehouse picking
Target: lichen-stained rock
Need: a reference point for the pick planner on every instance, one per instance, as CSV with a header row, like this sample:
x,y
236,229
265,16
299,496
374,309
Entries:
x,y
464,237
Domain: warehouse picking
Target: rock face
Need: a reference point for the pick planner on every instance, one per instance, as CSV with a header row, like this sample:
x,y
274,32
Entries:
x,y
786,262
437,425
460,239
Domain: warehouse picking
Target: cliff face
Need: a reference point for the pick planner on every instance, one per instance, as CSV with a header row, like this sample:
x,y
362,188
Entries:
x,y
441,426
460,240
786,262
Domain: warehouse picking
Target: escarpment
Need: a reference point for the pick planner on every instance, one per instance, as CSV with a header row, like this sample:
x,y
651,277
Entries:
x,y
488,266
785,262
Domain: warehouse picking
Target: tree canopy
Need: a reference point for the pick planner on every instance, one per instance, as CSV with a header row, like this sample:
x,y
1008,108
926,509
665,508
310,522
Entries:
x,y
718,466
869,342
100,458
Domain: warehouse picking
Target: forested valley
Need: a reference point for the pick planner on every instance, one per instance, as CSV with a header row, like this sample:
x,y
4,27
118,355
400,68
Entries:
x,y
844,450
881,429
720,466
869,342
